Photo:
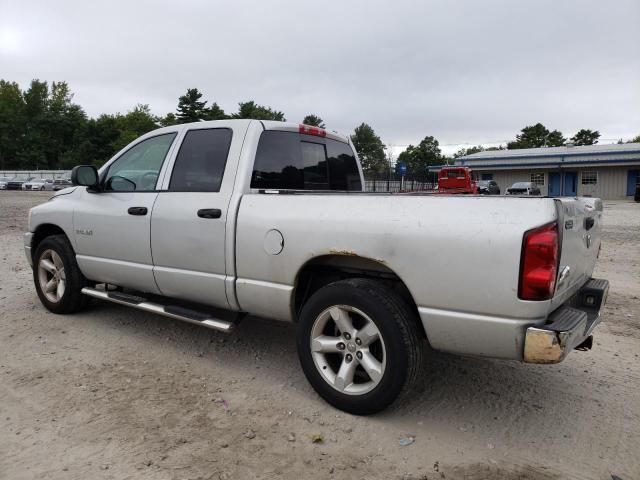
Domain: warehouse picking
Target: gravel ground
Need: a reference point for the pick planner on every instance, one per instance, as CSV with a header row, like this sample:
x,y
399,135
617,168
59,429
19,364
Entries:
x,y
117,393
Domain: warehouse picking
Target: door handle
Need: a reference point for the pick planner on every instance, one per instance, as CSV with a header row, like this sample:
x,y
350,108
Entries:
x,y
137,211
209,213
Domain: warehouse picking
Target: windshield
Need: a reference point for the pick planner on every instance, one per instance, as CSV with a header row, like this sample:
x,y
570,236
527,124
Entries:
x,y
520,185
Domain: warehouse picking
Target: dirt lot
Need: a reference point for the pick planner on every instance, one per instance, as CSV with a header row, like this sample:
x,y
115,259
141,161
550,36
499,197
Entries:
x,y
116,393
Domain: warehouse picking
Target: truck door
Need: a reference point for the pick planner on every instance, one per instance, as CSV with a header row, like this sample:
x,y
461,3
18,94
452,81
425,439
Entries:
x,y
190,217
112,227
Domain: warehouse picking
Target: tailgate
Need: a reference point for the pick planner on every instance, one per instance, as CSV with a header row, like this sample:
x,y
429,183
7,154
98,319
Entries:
x,y
579,222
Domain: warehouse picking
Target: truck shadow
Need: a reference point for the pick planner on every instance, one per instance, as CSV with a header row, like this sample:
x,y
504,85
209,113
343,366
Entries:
x,y
461,394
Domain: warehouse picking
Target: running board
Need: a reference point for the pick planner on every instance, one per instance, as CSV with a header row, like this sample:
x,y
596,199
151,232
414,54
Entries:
x,y
171,311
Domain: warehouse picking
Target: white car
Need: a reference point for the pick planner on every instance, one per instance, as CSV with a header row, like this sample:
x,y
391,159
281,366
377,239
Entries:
x,y
24,183
38,184
3,182
523,188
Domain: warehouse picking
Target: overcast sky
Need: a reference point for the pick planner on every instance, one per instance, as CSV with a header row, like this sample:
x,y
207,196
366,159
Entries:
x,y
462,71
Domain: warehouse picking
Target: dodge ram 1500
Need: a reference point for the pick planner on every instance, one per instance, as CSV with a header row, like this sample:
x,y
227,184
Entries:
x,y
211,221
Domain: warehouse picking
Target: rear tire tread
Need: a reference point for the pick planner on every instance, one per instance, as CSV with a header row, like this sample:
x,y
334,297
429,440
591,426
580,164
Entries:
x,y
404,323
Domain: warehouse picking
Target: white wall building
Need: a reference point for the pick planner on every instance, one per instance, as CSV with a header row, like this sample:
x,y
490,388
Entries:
x,y
605,171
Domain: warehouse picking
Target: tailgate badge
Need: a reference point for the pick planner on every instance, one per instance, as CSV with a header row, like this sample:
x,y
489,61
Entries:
x,y
568,225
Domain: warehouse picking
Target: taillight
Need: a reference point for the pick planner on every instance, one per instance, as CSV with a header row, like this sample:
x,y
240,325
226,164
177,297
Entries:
x,y
309,130
539,263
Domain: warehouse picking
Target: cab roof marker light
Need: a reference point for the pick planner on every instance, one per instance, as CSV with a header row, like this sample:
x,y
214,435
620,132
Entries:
x,y
310,130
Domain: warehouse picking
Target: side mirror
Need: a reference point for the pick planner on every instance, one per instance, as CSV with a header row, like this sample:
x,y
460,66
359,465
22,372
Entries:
x,y
86,176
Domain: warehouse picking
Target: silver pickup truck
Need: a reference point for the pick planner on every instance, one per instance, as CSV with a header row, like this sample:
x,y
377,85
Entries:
x,y
211,221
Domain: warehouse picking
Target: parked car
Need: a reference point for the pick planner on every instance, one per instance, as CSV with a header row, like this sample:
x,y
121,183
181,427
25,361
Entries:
x,y
60,183
38,184
3,182
15,184
523,188
26,184
488,187
269,219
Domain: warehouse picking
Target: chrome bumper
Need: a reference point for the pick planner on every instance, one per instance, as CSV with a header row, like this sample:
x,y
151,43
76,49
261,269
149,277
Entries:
x,y
568,327
27,247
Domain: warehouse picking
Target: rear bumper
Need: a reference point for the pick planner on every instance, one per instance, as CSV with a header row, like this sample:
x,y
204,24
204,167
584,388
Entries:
x,y
568,327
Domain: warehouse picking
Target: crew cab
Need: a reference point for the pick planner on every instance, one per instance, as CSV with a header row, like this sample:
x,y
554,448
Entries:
x,y
211,221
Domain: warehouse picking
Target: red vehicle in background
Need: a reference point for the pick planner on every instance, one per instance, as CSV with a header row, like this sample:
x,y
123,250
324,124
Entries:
x,y
456,180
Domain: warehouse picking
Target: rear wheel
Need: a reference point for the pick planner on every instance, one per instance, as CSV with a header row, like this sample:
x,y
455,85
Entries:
x,y
57,277
359,345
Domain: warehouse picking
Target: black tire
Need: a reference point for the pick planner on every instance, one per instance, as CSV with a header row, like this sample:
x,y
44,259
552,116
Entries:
x,y
72,300
398,327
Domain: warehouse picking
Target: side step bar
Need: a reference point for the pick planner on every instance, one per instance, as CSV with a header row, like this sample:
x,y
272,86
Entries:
x,y
171,311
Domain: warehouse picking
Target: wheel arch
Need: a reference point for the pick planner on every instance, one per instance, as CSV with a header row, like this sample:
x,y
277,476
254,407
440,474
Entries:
x,y
43,231
325,269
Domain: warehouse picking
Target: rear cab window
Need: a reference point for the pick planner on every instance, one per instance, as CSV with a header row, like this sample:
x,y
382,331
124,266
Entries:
x,y
294,161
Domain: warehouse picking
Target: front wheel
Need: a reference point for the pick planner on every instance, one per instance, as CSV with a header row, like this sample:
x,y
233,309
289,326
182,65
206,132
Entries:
x,y
57,277
359,345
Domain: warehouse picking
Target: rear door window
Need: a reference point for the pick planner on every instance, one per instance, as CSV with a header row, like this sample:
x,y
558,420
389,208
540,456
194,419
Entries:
x,y
200,163
293,161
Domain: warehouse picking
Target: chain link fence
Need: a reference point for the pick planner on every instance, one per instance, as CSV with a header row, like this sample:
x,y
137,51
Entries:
x,y
395,183
26,174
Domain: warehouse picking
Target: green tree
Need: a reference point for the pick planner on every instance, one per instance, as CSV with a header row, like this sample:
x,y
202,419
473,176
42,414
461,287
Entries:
x,y
31,152
419,158
586,137
463,152
370,150
258,112
97,142
214,112
168,120
135,123
63,123
635,140
12,119
536,136
106,135
190,107
313,120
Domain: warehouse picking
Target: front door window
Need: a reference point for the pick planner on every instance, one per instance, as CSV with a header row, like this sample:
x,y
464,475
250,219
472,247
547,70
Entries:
x,y
138,168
